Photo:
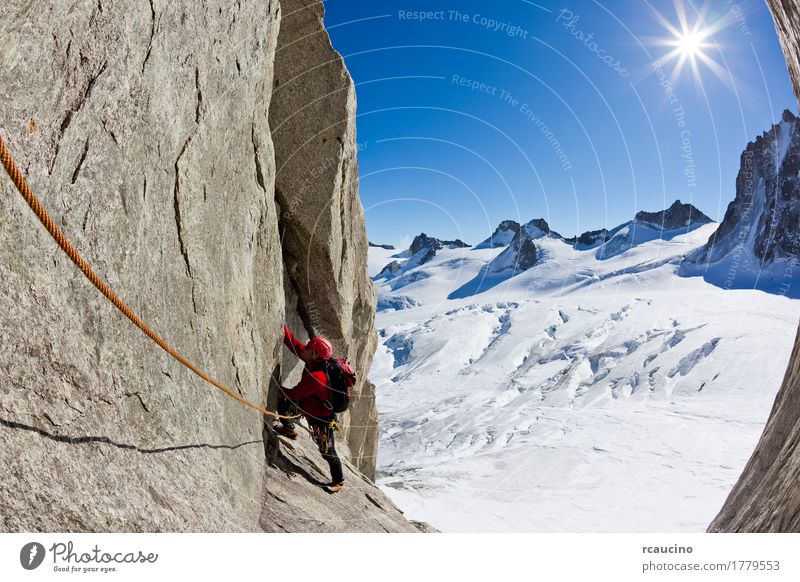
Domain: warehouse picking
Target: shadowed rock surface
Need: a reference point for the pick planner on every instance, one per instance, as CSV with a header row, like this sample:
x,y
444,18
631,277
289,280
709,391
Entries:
x,y
542,225
589,238
151,144
766,497
422,241
522,253
423,248
762,219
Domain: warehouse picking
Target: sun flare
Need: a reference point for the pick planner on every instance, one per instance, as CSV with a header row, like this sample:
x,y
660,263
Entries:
x,y
692,42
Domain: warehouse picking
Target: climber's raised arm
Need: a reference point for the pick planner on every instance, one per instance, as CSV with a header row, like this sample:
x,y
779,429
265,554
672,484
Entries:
x,y
291,342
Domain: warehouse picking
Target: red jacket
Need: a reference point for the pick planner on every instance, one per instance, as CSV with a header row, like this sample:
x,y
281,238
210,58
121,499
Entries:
x,y
312,392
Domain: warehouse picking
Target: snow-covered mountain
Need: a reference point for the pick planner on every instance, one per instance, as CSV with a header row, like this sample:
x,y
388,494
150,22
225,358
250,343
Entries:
x,y
678,219
757,244
502,235
587,392
521,253
423,248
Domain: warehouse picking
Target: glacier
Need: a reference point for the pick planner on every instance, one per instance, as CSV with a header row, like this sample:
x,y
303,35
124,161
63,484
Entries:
x,y
579,395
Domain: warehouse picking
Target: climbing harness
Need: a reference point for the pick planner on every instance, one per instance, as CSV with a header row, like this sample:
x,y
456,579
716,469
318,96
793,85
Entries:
x,y
75,257
314,428
321,434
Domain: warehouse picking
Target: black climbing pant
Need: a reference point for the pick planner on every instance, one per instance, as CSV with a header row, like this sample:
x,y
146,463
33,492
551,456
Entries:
x,y
324,437
323,431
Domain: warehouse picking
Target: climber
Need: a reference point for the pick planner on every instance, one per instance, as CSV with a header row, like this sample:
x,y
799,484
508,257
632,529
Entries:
x,y
310,398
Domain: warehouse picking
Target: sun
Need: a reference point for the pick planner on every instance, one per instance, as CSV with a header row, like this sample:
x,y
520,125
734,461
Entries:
x,y
691,43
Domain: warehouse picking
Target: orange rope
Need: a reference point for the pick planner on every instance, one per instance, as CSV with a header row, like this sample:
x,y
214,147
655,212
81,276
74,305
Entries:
x,y
58,236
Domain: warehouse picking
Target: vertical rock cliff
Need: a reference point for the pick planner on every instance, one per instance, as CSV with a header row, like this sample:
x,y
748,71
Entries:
x,y
322,222
786,15
147,131
766,498
760,223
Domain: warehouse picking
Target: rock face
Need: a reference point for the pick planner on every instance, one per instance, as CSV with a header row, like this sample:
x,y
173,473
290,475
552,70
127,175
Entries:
x,y
763,217
541,225
502,235
786,15
766,497
679,215
150,142
422,241
589,239
322,222
297,503
527,253
423,248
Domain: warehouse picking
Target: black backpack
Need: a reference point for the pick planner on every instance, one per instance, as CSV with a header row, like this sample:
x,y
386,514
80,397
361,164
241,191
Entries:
x,y
341,377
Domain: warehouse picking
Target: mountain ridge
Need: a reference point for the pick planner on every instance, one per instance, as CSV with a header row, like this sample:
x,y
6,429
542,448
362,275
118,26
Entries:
x,y
677,215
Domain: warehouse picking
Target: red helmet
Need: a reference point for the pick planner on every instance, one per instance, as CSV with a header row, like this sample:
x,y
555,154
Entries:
x,y
322,346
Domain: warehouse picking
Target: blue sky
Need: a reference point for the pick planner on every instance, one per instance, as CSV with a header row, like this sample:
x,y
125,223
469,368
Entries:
x,y
473,112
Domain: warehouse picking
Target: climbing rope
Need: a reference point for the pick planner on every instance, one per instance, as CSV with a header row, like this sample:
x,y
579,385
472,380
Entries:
x,y
58,236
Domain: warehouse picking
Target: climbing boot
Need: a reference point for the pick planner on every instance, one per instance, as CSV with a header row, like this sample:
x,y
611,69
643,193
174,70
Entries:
x,y
286,430
333,487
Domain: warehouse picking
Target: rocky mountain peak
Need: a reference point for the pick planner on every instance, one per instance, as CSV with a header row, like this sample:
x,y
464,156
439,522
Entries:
x,y
762,219
501,236
508,225
539,223
522,253
679,215
589,238
538,227
424,241
424,247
